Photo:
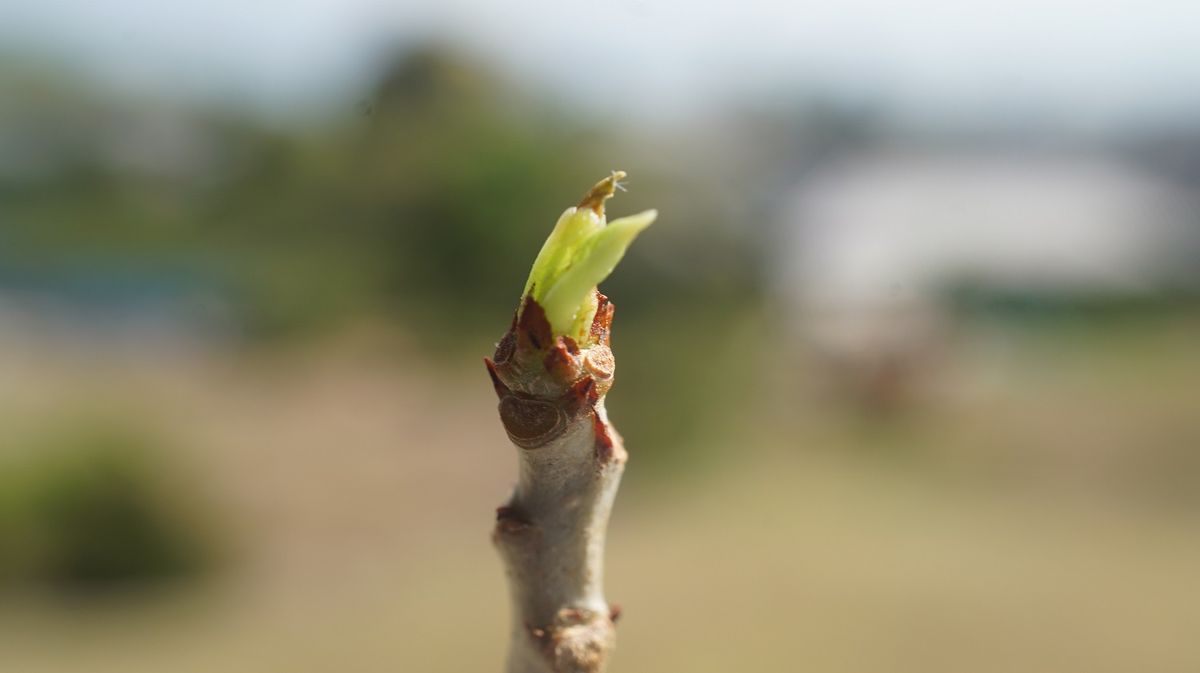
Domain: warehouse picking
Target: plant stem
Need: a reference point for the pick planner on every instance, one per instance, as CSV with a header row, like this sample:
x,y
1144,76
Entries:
x,y
551,532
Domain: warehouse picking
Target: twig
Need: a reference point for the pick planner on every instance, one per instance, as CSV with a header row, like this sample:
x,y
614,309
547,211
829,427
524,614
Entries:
x,y
551,373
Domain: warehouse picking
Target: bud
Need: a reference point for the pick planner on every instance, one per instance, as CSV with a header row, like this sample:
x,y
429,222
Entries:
x,y
581,251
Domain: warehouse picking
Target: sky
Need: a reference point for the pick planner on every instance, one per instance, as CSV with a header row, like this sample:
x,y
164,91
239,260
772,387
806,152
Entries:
x,y
1091,62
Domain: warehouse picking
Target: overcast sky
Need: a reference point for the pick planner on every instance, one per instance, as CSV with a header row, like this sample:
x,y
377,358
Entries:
x,y
1094,61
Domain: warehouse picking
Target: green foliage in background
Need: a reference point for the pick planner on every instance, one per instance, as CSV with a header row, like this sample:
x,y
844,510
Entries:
x,y
422,200
419,203
92,508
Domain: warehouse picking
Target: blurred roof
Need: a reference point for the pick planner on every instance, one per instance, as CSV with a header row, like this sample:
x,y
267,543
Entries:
x,y
876,228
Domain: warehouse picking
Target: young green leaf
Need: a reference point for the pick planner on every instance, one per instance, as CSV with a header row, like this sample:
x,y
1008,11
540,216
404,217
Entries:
x,y
580,252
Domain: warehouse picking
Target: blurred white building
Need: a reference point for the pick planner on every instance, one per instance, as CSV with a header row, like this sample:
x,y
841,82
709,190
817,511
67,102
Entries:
x,y
873,244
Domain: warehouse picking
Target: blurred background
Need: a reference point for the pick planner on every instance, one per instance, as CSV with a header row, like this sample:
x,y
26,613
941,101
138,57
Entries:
x,y
908,366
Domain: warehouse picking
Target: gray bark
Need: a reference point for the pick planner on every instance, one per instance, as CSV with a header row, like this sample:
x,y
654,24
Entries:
x,y
551,532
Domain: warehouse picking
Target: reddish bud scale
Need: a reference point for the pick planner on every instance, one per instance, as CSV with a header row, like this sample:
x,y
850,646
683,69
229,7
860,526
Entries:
x,y
546,383
604,440
603,320
532,328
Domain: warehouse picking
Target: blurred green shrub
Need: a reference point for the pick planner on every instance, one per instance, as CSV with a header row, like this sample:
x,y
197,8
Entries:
x,y
92,508
10,546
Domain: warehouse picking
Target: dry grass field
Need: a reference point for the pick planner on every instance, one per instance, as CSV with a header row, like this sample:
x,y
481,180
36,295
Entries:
x,y
1043,523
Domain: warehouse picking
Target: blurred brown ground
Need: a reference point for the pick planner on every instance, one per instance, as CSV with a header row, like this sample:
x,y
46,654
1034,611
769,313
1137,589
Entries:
x,y
1037,524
